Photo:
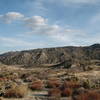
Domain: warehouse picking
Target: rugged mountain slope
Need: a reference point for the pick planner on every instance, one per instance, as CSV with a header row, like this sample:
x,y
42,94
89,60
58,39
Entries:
x,y
51,55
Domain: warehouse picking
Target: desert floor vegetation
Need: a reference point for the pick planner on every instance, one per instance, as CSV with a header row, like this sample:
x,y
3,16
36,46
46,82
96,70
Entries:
x,y
58,84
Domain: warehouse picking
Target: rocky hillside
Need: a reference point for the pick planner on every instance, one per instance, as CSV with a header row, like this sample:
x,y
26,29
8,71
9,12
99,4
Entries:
x,y
52,55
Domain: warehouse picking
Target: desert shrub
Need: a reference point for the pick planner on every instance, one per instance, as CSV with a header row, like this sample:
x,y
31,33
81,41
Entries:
x,y
89,96
53,83
24,76
17,92
87,84
79,91
71,84
67,92
37,85
68,63
28,79
55,92
10,85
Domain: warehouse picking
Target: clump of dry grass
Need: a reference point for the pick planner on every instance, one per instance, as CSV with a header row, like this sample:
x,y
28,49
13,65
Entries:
x,y
37,85
17,92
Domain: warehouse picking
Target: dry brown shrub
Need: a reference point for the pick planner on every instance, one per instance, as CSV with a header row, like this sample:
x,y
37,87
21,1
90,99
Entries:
x,y
37,85
67,92
89,96
53,83
71,84
55,92
17,92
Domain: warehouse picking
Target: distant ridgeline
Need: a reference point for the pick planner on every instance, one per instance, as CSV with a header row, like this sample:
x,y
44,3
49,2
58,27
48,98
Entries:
x,y
60,56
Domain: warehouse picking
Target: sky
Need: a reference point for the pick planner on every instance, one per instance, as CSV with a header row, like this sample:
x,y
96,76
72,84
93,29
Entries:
x,y
31,24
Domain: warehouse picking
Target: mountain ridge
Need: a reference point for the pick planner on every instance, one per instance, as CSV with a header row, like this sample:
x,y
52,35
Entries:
x,y
51,55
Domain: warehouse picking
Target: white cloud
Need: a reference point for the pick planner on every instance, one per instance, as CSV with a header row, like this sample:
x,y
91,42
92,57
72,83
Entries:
x,y
40,26
14,42
11,16
35,22
81,1
69,36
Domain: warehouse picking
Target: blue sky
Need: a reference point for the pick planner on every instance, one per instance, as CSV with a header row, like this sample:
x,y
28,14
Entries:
x,y
29,24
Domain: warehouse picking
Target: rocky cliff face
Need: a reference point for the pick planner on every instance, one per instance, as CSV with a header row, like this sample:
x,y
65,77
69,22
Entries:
x,y
51,55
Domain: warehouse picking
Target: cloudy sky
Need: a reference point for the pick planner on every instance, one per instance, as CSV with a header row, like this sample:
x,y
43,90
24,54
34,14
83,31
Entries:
x,y
29,24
